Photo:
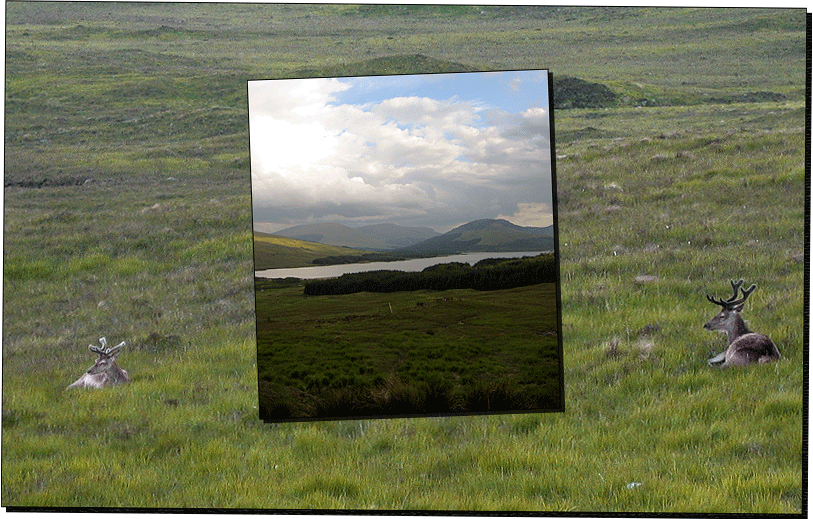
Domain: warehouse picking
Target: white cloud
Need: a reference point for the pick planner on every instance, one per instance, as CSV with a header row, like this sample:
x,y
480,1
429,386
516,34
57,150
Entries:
x,y
407,156
291,98
531,215
442,114
285,146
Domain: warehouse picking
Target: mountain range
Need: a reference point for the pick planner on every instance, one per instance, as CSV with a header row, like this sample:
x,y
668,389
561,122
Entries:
x,y
381,237
487,235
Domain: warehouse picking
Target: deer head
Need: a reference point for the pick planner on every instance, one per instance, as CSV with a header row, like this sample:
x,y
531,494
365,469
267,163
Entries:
x,y
107,356
729,320
105,372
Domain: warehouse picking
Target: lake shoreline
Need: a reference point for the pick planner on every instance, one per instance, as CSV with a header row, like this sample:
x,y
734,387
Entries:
x,y
410,265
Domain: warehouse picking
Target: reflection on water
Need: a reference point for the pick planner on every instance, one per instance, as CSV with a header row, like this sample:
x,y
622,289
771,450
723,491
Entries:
x,y
413,265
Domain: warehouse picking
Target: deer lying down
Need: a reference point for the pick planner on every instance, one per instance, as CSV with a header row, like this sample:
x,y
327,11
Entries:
x,y
744,346
105,372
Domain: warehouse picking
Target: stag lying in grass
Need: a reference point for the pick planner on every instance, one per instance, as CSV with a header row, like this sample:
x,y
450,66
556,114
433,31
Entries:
x,y
744,346
105,372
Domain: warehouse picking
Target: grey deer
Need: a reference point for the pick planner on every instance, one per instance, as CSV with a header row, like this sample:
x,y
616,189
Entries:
x,y
744,346
105,372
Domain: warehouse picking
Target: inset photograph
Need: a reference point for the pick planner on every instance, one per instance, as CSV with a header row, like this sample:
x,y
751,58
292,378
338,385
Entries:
x,y
405,246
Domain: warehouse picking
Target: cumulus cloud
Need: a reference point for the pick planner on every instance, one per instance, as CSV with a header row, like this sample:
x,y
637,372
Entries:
x,y
412,157
529,214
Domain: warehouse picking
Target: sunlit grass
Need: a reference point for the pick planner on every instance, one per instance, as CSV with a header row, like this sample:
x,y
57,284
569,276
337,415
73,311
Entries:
x,y
692,194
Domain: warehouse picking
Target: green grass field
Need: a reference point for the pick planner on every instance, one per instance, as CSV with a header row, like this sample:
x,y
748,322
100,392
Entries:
x,y
127,214
272,251
407,353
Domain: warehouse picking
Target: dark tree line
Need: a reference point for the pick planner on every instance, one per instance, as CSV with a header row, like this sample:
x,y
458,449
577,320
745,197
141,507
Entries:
x,y
358,258
488,274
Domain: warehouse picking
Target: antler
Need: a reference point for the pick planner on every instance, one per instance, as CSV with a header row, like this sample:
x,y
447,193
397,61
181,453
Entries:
x,y
732,301
104,350
115,349
736,286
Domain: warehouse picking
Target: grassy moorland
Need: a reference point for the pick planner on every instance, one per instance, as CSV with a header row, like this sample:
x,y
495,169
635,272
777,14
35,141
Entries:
x,y
271,251
407,353
127,214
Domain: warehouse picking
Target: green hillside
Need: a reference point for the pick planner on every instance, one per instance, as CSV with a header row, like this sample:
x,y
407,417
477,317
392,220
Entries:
x,y
484,236
272,251
377,237
406,64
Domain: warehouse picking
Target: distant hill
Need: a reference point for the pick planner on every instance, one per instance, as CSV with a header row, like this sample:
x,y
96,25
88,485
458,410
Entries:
x,y
486,236
272,251
380,237
571,92
396,236
302,244
398,64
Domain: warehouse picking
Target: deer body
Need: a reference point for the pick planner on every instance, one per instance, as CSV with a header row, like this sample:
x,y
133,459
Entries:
x,y
105,372
744,346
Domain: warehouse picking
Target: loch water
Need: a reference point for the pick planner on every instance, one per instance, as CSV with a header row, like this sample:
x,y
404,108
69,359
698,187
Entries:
x,y
411,265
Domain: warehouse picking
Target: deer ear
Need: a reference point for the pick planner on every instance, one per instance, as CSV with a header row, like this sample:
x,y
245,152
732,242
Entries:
x,y
738,308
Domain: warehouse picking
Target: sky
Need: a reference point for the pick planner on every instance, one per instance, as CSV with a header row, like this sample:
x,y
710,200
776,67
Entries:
x,y
431,150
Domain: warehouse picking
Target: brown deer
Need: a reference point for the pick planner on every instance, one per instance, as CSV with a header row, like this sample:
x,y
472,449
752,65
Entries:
x,y
744,346
105,372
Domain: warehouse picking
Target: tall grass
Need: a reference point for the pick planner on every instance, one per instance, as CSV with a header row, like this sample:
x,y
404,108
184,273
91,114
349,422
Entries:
x,y
685,191
407,353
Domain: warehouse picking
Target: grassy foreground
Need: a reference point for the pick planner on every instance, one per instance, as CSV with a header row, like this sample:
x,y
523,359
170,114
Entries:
x,y
407,353
127,214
